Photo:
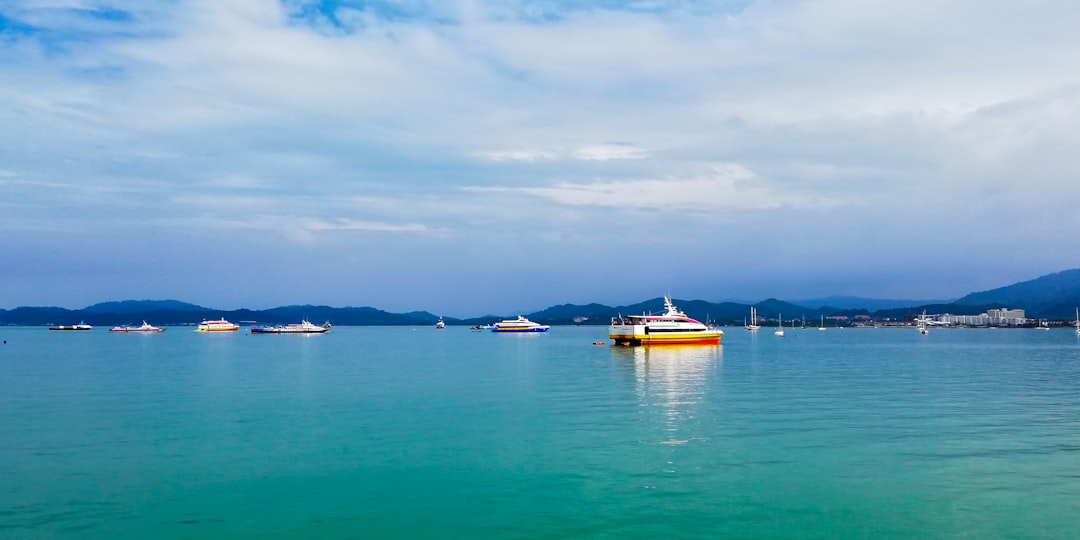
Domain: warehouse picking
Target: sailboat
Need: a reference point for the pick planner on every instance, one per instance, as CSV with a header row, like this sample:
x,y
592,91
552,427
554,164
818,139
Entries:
x,y
920,323
753,326
1078,321
822,327
779,326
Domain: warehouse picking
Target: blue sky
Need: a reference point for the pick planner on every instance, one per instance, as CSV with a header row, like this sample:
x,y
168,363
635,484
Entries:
x,y
470,157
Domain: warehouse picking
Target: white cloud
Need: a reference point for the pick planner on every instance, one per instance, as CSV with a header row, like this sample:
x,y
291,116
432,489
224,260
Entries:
x,y
605,152
723,187
527,156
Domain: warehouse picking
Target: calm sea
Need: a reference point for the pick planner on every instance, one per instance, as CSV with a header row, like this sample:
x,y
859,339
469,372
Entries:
x,y
423,433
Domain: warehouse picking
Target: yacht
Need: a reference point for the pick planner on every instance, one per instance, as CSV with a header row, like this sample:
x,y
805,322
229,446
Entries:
x,y
1078,321
921,323
440,325
220,325
304,327
146,328
822,327
520,324
673,327
80,326
779,326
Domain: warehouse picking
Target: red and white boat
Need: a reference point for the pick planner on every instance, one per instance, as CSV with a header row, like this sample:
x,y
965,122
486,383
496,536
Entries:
x,y
145,328
304,327
671,328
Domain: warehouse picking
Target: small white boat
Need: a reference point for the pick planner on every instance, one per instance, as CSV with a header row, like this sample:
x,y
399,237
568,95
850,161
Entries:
x,y
1078,321
1043,325
304,327
822,327
220,325
440,325
779,326
520,324
146,328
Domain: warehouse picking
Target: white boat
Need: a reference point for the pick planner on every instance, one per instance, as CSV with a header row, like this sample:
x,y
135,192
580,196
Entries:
x,y
1078,321
779,326
673,327
1043,325
220,325
80,326
440,325
304,327
146,328
753,326
520,324
822,327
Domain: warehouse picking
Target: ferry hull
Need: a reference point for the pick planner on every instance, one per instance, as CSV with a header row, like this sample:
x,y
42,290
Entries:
x,y
635,340
288,331
519,330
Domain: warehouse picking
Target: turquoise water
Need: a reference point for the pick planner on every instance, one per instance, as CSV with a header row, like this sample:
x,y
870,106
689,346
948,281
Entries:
x,y
417,433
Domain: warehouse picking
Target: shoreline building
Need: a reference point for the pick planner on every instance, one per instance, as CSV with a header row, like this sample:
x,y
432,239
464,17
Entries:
x,y
992,317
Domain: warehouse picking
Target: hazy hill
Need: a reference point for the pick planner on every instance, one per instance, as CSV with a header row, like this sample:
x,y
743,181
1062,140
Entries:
x,y
1053,295
143,306
855,302
1050,296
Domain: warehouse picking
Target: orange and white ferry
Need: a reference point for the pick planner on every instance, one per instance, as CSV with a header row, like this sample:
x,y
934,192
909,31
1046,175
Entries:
x,y
217,326
673,327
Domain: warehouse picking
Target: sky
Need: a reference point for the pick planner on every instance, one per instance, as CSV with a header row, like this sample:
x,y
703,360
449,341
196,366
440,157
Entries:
x,y
472,157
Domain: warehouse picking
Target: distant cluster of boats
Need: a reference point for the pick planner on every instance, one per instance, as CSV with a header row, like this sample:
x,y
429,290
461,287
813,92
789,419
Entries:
x,y
671,327
220,325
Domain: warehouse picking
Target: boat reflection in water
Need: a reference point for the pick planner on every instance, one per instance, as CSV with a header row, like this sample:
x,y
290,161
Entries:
x,y
672,383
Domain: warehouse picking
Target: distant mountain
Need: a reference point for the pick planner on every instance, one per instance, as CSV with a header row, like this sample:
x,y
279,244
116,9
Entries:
x,y
1051,296
142,306
722,313
855,302
180,313
909,313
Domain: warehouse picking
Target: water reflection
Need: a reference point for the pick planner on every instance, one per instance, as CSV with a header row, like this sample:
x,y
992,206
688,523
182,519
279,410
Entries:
x,y
672,381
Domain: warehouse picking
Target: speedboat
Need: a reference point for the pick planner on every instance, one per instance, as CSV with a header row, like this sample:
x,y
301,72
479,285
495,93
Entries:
x,y
673,327
220,325
80,326
145,328
520,324
303,327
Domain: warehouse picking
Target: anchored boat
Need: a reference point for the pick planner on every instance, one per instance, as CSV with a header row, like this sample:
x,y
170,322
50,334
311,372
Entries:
x,y
146,328
520,324
673,327
304,327
220,325
80,326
